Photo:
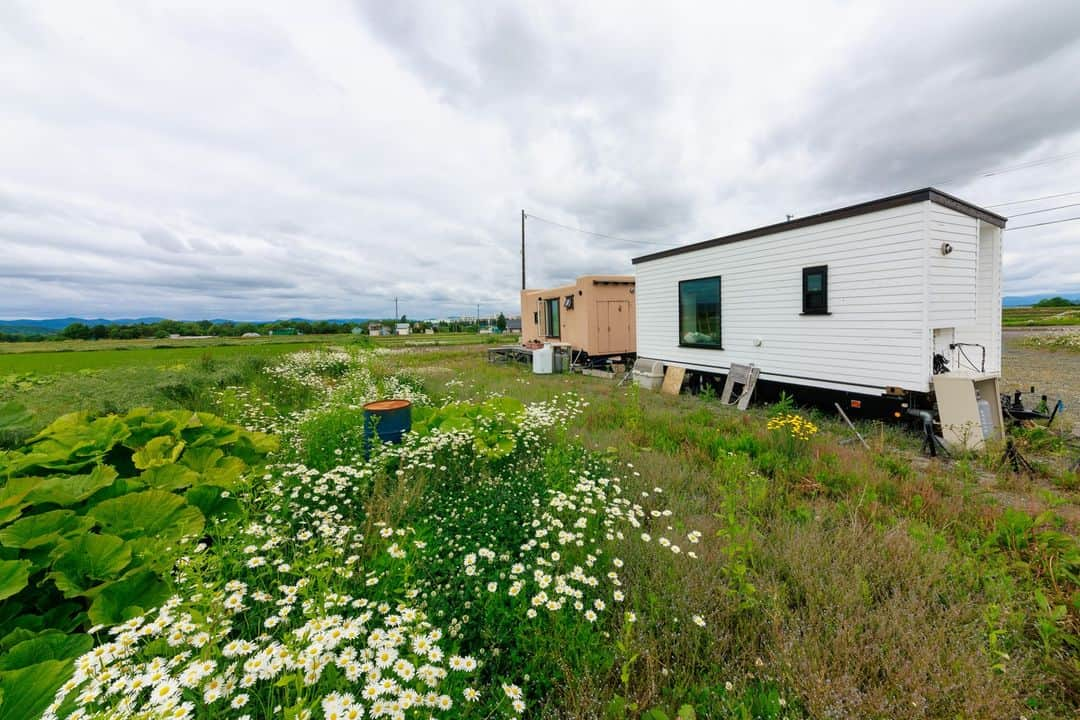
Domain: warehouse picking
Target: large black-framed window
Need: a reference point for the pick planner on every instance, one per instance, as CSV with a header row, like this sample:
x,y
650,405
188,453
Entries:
x,y
699,313
815,290
551,318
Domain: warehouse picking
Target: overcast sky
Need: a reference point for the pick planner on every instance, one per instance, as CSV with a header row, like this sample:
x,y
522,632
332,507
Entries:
x,y
267,159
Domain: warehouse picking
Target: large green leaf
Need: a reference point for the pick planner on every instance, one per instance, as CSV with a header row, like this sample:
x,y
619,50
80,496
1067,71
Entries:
x,y
13,497
253,447
145,424
87,561
26,692
227,473
160,451
14,576
169,477
71,443
49,645
68,490
212,501
211,431
153,513
128,598
43,529
201,459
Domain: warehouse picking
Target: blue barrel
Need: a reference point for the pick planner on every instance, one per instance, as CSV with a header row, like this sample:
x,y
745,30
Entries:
x,y
389,419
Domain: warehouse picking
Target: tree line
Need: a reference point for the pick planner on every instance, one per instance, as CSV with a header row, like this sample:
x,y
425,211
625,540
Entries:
x,y
165,328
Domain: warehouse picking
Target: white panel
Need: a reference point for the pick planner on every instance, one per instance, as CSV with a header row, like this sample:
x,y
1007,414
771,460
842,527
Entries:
x,y
952,277
986,326
875,337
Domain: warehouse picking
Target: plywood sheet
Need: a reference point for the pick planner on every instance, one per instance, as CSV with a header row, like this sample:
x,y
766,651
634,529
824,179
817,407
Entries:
x,y
958,411
673,380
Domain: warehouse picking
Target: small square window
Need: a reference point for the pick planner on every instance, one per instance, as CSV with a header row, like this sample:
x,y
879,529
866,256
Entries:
x,y
815,290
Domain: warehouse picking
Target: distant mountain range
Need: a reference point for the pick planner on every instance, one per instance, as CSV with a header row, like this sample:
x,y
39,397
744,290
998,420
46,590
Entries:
x,y
1025,300
54,325
50,326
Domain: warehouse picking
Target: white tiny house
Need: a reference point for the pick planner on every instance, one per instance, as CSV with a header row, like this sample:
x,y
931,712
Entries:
x,y
856,300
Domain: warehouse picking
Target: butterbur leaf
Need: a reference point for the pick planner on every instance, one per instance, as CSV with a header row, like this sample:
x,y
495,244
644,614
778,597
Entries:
x,y
13,497
73,442
227,473
87,561
201,459
146,424
153,513
69,490
49,645
26,692
14,576
43,529
211,501
128,598
253,447
160,451
169,477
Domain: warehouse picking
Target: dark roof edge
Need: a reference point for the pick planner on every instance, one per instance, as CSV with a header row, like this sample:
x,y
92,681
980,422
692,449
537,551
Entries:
x,y
932,194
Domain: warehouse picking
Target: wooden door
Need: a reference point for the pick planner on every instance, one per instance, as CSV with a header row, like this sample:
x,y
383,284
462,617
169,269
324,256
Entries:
x,y
612,326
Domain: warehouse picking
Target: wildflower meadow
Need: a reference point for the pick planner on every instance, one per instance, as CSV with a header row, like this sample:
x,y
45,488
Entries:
x,y
531,549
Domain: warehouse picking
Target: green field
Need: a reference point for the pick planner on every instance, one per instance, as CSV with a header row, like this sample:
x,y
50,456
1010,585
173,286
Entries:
x,y
558,545
1039,316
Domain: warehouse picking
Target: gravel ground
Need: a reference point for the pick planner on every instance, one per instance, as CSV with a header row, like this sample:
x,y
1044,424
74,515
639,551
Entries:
x,y
1053,372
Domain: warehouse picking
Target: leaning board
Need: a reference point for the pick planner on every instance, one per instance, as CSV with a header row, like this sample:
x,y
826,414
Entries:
x,y
673,380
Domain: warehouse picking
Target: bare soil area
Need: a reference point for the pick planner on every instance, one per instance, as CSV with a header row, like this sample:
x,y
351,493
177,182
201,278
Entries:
x,y
1055,373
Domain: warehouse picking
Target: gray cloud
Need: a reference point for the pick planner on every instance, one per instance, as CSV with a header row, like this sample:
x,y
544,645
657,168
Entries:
x,y
253,162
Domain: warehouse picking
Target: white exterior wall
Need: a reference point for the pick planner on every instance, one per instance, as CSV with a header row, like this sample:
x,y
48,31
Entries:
x,y
952,277
875,337
986,328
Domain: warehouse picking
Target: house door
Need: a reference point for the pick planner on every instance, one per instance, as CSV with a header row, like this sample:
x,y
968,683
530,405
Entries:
x,y
612,326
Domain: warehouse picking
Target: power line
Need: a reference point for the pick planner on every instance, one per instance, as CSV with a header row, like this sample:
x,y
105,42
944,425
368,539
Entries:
x,y
1012,168
595,234
1049,222
1044,197
1044,210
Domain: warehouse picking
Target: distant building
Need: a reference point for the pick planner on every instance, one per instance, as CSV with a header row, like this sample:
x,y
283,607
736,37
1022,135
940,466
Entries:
x,y
377,329
285,331
250,335
513,325
403,328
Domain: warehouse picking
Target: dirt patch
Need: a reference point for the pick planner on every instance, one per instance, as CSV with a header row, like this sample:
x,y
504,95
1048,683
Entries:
x,y
1055,373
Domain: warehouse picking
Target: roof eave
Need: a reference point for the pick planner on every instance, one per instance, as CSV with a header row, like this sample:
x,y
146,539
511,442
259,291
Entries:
x,y
915,196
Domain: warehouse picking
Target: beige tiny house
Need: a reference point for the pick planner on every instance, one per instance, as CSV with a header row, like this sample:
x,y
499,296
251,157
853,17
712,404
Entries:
x,y
595,315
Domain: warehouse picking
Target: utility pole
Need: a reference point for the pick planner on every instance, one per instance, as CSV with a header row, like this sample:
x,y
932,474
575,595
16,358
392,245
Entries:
x,y
396,316
522,249
477,317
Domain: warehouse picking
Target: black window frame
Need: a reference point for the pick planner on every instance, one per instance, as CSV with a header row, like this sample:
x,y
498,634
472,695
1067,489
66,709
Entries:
x,y
807,272
719,345
549,304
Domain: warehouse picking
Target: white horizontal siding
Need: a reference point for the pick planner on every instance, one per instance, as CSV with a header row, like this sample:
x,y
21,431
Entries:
x,y
874,338
986,330
952,277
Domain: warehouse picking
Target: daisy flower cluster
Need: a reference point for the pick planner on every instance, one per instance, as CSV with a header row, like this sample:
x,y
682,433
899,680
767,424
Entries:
x,y
176,664
411,583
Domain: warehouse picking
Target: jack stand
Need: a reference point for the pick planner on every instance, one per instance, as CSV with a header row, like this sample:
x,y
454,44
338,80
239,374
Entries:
x,y
1015,460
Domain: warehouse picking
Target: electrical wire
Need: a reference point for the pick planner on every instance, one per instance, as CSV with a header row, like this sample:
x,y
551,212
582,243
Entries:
x,y
1013,168
1036,212
1049,222
596,234
1044,197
